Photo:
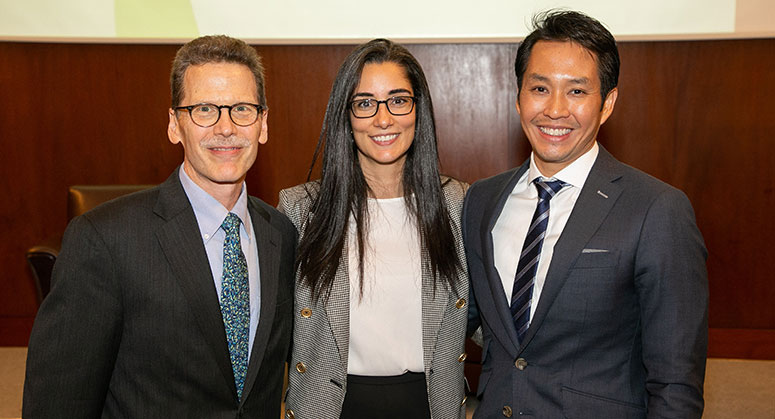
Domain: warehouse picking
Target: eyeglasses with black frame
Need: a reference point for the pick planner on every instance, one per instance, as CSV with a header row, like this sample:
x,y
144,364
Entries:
x,y
368,107
208,114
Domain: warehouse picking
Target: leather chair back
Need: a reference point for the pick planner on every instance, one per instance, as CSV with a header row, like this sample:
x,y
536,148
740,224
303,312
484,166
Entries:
x,y
82,198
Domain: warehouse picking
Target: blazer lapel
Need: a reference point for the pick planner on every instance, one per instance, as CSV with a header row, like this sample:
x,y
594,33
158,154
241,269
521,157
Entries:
x,y
268,240
597,197
491,215
180,241
434,302
338,308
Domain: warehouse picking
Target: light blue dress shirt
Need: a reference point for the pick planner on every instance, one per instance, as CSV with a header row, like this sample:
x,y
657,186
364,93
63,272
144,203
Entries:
x,y
210,215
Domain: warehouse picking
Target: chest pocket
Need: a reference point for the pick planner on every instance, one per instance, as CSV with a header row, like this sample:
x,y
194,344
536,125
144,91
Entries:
x,y
596,258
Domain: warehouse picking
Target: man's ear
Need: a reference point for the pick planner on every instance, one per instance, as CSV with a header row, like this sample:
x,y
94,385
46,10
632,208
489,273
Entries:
x,y
173,128
263,137
517,103
608,104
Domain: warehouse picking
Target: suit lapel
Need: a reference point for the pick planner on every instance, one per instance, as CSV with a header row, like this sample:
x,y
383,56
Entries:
x,y
180,241
268,240
492,213
597,197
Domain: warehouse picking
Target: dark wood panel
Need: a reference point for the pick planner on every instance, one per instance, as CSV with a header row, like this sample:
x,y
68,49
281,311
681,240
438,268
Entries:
x,y
694,115
691,113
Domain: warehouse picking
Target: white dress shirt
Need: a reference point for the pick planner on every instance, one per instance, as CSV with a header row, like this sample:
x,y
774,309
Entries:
x,y
510,230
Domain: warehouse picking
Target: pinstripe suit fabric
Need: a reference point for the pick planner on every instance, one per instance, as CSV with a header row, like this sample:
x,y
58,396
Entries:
x,y
321,341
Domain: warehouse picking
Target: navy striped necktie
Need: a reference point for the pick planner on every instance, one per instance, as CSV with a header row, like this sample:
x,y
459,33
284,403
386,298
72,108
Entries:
x,y
522,293
235,300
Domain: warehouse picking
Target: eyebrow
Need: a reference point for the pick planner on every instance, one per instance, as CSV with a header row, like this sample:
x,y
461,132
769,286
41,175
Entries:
x,y
391,93
544,79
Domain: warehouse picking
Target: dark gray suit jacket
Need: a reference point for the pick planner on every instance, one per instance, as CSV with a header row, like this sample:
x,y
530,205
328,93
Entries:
x,y
132,327
620,330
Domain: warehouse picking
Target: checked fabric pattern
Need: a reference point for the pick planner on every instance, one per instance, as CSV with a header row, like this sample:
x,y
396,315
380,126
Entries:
x,y
522,293
235,300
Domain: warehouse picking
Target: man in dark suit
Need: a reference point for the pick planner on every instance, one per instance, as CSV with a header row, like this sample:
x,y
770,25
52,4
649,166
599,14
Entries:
x,y
588,275
176,301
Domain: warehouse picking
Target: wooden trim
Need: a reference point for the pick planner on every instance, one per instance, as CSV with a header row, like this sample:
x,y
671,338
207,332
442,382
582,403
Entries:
x,y
741,343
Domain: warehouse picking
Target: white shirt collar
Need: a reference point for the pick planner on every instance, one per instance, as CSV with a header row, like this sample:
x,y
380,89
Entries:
x,y
574,174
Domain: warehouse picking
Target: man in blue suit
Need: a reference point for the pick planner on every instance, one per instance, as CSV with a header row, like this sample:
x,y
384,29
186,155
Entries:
x,y
588,275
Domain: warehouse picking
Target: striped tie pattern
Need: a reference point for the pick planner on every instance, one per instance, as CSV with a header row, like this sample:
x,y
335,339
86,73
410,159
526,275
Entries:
x,y
522,293
235,300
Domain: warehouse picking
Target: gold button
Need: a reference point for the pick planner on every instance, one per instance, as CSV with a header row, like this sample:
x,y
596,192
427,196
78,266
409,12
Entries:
x,y
460,303
289,414
306,312
521,364
465,398
507,411
462,357
301,368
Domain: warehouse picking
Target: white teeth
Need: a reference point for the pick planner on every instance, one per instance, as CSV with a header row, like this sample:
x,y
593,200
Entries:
x,y
555,131
384,138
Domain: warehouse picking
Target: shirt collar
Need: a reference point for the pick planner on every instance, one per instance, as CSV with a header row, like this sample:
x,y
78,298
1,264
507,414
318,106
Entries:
x,y
574,174
208,211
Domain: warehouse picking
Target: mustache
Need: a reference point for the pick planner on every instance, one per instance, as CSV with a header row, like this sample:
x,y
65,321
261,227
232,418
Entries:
x,y
233,141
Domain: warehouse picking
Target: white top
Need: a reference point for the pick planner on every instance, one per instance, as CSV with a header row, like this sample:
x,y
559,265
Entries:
x,y
510,230
386,322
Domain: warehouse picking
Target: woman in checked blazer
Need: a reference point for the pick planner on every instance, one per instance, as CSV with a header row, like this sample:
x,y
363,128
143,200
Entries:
x,y
381,287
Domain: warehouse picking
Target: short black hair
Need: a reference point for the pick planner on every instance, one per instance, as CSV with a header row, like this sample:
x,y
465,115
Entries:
x,y
576,27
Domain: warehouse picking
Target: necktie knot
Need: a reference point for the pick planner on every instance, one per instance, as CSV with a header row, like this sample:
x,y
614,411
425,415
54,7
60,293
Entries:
x,y
231,224
548,189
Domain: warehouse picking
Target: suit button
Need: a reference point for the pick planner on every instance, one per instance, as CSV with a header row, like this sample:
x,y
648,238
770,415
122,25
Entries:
x,y
507,411
521,364
461,302
462,357
306,312
301,368
289,414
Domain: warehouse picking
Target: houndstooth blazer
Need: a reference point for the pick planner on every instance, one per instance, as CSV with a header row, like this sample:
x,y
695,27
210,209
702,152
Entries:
x,y
318,371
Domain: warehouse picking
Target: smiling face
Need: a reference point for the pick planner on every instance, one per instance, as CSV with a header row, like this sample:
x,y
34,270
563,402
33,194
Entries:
x,y
384,138
559,103
217,157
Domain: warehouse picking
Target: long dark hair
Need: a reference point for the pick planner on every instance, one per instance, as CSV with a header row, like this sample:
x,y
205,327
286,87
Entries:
x,y
343,190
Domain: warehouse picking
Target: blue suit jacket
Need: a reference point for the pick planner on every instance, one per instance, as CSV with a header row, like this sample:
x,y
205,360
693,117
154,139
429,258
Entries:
x,y
620,330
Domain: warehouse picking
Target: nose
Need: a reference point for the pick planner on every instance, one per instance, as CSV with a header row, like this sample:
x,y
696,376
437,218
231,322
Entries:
x,y
225,126
383,118
557,107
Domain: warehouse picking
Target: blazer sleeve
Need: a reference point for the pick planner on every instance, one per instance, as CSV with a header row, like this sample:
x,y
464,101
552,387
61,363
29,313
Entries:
x,y
672,284
75,338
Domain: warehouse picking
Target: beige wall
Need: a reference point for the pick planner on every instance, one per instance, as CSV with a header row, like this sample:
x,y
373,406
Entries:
x,y
348,21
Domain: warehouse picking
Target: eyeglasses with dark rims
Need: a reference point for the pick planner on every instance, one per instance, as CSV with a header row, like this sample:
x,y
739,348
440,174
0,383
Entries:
x,y
208,114
368,107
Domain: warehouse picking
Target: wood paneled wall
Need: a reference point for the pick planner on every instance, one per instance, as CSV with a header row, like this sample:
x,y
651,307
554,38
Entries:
x,y
694,114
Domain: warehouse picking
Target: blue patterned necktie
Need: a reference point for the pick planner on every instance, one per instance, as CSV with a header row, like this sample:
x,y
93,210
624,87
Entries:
x,y
522,293
235,300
